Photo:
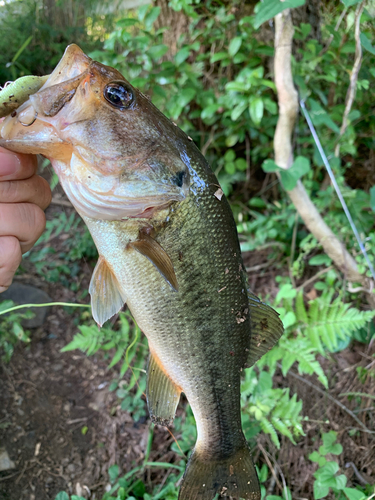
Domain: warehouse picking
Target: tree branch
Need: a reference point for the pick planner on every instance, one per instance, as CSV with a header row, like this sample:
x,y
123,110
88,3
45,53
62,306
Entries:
x,y
354,74
288,110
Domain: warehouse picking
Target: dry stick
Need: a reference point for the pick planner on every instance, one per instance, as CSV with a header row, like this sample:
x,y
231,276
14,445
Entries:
x,y
313,278
62,203
353,76
325,393
288,111
343,13
270,466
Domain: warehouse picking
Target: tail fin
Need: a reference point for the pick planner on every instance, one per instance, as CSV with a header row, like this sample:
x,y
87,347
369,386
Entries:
x,y
233,477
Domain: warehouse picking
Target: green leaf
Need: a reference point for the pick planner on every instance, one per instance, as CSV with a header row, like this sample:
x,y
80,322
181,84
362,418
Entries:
x,y
349,3
219,56
366,43
241,164
341,481
231,140
157,51
62,496
256,109
354,494
327,472
234,45
270,8
237,86
75,497
314,456
182,55
185,96
320,491
113,473
151,17
210,111
270,166
301,165
318,260
124,23
320,117
289,319
290,177
230,155
238,110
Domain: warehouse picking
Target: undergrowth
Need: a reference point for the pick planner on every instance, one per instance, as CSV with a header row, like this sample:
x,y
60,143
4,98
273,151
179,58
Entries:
x,y
216,87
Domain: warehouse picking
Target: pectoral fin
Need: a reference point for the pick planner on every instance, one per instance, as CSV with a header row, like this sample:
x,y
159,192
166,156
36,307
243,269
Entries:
x,y
162,394
151,249
107,298
266,329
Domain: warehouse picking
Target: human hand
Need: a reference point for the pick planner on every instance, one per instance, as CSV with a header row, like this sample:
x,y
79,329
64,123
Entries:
x,y
23,197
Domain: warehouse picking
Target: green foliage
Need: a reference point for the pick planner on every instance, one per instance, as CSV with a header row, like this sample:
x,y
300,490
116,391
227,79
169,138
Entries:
x,y
34,36
267,9
216,87
76,244
125,346
289,178
11,329
326,476
273,409
326,325
240,101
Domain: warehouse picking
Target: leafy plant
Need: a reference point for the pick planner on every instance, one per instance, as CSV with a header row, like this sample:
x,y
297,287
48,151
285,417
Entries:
x,y
11,329
327,477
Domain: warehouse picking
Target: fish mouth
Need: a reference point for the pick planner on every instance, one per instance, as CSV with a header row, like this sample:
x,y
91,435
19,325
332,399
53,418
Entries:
x,y
16,132
113,164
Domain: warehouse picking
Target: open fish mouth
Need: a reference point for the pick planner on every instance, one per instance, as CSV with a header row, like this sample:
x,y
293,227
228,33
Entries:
x,y
90,122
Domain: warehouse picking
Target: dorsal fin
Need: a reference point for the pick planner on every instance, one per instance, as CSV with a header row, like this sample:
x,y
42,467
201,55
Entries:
x,y
150,248
266,329
162,394
107,298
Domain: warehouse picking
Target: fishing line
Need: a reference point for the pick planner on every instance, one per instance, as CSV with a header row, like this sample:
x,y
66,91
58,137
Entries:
x,y
335,185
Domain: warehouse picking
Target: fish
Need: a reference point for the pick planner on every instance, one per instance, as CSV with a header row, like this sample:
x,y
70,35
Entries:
x,y
168,248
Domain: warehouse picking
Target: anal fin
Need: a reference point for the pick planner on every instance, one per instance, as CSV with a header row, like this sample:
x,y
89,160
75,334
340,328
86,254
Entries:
x,y
162,394
150,248
266,328
107,298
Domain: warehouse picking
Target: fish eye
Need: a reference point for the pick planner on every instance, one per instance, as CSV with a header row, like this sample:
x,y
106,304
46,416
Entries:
x,y
119,94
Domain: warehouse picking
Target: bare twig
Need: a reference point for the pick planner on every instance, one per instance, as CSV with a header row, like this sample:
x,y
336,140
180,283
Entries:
x,y
343,13
248,159
270,466
260,266
208,142
331,398
313,278
354,74
288,108
62,203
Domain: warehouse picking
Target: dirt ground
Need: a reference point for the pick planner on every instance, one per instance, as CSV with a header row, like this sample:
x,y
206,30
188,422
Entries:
x,y
62,427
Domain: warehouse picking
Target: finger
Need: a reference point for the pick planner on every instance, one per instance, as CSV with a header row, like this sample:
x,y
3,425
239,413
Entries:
x,y
10,259
25,221
33,190
14,166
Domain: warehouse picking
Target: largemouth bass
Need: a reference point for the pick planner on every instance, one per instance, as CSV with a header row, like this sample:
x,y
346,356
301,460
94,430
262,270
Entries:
x,y
167,246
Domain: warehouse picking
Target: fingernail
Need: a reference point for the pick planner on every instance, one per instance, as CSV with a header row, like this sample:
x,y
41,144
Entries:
x,y
9,163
